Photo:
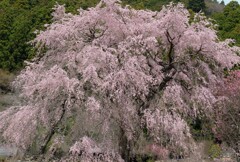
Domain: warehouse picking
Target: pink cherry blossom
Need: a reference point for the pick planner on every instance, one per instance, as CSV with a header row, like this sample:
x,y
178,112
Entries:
x,y
110,76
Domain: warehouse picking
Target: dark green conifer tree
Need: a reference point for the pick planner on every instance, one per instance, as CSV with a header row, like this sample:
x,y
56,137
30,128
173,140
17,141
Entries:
x,y
222,2
196,5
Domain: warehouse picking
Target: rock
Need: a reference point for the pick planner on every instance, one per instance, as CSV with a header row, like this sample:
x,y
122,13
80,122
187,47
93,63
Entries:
x,y
6,151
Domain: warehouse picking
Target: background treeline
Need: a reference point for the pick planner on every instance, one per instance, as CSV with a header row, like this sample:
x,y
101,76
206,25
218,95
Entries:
x,y
20,18
18,21
229,22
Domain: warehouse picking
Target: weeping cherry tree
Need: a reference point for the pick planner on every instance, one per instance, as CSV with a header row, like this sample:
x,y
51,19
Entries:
x,y
112,81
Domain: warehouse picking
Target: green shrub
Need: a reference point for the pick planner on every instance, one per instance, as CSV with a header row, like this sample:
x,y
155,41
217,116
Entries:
x,y
214,150
5,79
201,129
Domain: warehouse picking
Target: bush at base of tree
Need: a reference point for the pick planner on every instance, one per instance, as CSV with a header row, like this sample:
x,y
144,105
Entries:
x,y
227,112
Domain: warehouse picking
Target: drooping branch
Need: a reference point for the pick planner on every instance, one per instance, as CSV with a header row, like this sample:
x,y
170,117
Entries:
x,y
93,33
170,53
53,130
